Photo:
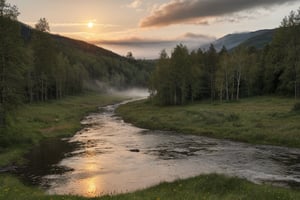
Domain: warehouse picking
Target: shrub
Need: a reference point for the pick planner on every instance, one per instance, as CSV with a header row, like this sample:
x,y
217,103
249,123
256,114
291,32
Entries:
x,y
296,107
233,117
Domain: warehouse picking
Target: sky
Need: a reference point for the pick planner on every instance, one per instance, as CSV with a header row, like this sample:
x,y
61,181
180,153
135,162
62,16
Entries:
x,y
146,27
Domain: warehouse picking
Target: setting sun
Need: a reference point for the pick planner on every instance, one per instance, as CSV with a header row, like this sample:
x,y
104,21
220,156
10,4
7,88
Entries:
x,y
90,24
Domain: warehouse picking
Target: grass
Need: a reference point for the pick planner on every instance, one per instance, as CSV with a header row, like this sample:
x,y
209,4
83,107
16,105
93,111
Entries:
x,y
260,120
30,124
206,187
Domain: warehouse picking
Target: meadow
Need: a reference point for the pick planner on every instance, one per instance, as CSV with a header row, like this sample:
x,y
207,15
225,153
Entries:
x,y
259,120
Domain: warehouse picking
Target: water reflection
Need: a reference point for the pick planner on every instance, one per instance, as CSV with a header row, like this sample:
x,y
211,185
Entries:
x,y
115,157
91,167
91,187
43,159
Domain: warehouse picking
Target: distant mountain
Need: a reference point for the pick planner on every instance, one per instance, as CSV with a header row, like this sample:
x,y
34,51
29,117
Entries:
x,y
261,40
257,39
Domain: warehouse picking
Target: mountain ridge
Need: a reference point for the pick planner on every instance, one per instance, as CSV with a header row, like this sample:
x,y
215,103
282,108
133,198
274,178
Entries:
x,y
230,41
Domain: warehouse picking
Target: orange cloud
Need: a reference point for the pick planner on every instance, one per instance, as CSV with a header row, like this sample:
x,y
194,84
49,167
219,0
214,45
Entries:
x,y
200,11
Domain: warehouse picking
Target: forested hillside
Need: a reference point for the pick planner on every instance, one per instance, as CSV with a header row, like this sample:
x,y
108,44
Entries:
x,y
229,75
37,66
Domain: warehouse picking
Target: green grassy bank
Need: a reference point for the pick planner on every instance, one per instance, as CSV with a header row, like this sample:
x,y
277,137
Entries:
x,y
29,124
260,120
206,187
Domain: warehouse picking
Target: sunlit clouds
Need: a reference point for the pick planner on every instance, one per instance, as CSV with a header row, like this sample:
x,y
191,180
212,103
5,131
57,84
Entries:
x,y
135,4
200,11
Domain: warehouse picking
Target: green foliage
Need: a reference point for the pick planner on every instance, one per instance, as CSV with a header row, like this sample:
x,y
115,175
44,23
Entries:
x,y
8,11
283,57
186,77
177,80
42,25
12,67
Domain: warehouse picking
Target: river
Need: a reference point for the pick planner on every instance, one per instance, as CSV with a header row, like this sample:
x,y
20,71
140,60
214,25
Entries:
x,y
110,156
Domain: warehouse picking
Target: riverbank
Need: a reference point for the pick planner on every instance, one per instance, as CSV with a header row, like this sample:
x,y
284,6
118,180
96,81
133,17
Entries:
x,y
260,120
211,187
30,124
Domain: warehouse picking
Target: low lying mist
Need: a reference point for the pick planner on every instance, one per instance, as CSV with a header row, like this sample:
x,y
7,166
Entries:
x,y
134,92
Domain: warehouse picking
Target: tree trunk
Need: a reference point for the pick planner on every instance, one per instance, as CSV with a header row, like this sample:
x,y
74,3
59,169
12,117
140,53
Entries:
x,y
238,87
46,90
42,90
211,88
221,94
239,74
227,86
175,97
30,87
296,90
232,91
2,80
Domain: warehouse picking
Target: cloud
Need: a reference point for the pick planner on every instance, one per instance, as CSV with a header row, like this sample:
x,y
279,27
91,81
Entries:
x,y
133,41
197,36
146,47
72,24
135,4
200,11
138,41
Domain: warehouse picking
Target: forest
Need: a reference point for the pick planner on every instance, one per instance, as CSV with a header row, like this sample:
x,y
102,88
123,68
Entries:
x,y
244,71
36,66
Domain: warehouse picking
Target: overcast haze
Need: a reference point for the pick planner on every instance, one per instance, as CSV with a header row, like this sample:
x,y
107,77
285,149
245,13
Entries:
x,y
146,27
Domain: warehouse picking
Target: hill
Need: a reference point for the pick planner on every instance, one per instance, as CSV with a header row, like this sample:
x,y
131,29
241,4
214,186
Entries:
x,y
261,40
102,65
257,39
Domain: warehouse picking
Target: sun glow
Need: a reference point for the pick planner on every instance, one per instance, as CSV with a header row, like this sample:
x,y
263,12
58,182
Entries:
x,y
90,24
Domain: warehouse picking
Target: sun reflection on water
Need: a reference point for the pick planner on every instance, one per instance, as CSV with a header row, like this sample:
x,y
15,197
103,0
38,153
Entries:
x,y
91,185
91,188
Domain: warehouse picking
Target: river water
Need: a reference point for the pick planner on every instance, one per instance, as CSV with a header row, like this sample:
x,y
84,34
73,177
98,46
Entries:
x,y
110,156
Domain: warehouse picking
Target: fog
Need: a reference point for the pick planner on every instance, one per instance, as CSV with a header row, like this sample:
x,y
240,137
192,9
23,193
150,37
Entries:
x,y
132,92
103,87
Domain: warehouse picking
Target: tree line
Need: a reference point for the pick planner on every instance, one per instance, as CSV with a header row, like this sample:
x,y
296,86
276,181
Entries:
x,y
37,66
229,75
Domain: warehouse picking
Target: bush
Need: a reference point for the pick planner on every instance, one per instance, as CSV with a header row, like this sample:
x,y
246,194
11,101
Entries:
x,y
296,107
233,117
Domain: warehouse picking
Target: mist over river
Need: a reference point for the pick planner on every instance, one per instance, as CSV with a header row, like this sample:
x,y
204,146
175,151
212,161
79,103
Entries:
x,y
110,156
